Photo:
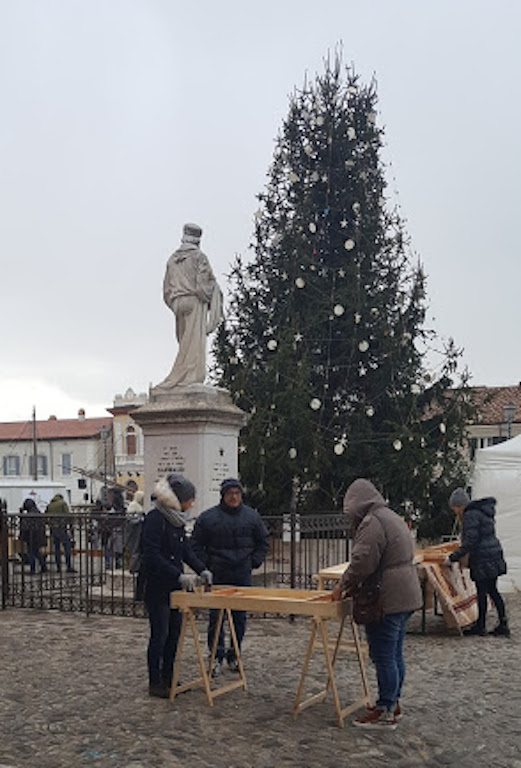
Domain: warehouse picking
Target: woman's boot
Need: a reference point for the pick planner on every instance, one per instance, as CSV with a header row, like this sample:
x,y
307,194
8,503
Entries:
x,y
501,629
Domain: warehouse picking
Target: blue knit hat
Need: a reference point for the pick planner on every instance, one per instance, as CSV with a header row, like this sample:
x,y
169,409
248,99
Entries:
x,y
182,487
459,498
230,482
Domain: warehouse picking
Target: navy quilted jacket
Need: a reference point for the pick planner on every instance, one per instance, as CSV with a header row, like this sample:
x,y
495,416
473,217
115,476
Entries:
x,y
479,540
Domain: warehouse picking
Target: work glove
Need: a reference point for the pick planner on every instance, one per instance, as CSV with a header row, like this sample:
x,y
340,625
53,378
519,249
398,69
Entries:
x,y
187,582
206,577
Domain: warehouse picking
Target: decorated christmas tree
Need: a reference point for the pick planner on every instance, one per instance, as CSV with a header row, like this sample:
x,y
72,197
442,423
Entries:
x,y
324,344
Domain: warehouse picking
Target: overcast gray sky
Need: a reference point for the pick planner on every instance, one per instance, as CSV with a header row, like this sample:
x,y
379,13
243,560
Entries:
x,y
122,119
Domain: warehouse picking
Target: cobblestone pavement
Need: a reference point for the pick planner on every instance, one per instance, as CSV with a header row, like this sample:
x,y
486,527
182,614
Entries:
x,y
73,693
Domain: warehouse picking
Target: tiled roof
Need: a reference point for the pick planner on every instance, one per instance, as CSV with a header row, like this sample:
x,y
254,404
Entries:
x,y
54,429
490,402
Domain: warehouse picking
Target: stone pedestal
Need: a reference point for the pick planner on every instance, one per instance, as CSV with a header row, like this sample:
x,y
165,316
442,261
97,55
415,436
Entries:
x,y
192,430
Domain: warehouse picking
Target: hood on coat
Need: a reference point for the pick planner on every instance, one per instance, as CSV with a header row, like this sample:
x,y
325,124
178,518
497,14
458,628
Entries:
x,y
486,505
165,495
57,497
361,498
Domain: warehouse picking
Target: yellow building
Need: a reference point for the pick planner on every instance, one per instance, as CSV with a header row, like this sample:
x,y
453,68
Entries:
x,y
129,453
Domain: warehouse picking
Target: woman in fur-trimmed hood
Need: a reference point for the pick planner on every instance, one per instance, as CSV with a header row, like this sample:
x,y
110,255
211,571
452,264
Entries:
x,y
382,551
166,548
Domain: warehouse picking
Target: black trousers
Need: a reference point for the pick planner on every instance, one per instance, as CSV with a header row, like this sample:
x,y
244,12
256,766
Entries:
x,y
484,589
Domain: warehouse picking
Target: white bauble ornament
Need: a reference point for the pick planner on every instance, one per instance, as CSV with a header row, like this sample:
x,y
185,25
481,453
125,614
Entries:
x,y
272,344
363,346
349,244
397,445
443,428
356,207
338,310
351,133
315,404
299,282
357,317
369,410
292,453
312,227
320,120
339,449
308,149
415,389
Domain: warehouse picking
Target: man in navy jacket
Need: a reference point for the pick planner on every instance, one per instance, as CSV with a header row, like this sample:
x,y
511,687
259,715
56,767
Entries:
x,y
231,539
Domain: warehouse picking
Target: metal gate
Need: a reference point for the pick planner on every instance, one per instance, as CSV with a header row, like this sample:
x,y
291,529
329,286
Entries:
x,y
79,562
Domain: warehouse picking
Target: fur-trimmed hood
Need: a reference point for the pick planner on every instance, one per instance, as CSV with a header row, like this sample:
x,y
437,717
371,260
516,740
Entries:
x,y
165,495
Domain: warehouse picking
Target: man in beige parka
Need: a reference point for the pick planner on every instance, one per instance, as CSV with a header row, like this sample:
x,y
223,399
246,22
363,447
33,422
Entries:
x,y
382,544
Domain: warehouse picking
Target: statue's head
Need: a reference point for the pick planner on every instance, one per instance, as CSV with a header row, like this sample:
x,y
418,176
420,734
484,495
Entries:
x,y
192,234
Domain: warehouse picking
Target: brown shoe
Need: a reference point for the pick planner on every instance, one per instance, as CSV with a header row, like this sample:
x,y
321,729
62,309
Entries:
x,y
398,714
382,719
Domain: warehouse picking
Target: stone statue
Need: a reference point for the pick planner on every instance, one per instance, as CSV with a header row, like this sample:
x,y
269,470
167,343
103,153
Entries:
x,y
192,293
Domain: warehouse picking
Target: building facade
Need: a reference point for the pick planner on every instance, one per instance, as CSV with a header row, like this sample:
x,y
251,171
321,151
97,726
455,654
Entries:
x,y
75,452
129,448
498,416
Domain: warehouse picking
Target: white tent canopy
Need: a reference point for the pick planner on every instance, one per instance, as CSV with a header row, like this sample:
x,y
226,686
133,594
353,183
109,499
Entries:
x,y
497,472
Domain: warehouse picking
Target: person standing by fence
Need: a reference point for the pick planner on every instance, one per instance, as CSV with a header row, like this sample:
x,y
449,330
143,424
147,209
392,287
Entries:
x,y
32,533
58,511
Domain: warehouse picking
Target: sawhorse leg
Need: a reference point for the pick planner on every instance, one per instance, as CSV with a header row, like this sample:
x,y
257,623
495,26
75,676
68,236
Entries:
x,y
319,624
204,679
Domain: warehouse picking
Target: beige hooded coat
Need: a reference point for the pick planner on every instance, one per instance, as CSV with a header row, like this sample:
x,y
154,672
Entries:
x,y
382,539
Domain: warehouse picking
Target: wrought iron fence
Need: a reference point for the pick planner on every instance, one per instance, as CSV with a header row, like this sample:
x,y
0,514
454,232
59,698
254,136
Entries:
x,y
79,562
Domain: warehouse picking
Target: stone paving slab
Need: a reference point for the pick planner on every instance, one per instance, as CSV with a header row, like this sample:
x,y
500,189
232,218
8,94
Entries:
x,y
73,692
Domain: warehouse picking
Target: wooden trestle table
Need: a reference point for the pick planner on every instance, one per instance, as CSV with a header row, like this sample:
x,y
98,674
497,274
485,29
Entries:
x,y
320,608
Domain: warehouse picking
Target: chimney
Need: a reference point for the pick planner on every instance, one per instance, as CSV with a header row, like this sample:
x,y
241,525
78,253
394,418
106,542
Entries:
x,y
81,414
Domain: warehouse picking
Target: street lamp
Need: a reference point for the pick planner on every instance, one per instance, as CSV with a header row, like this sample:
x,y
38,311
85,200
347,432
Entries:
x,y
104,433
508,414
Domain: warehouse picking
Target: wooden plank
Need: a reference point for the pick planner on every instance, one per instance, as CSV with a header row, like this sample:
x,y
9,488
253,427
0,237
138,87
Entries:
x,y
302,602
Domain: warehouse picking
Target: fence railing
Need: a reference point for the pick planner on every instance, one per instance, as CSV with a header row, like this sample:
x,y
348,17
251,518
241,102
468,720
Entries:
x,y
79,562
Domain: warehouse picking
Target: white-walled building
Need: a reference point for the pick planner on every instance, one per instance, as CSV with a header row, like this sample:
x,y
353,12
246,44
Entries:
x,y
75,452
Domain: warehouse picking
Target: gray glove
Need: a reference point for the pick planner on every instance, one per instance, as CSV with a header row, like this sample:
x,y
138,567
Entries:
x,y
187,582
206,577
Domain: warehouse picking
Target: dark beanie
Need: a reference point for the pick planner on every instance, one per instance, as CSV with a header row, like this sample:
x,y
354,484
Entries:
x,y
230,482
183,488
459,498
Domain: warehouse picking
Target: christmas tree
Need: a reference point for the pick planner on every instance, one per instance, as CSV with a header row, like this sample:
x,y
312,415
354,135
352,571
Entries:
x,y
324,344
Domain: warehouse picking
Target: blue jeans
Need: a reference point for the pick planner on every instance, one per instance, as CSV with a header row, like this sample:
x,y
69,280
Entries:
x,y
165,625
239,578
385,640
63,538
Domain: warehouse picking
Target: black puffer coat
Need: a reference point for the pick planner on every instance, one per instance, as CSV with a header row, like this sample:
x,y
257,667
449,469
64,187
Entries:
x,y
229,539
479,540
